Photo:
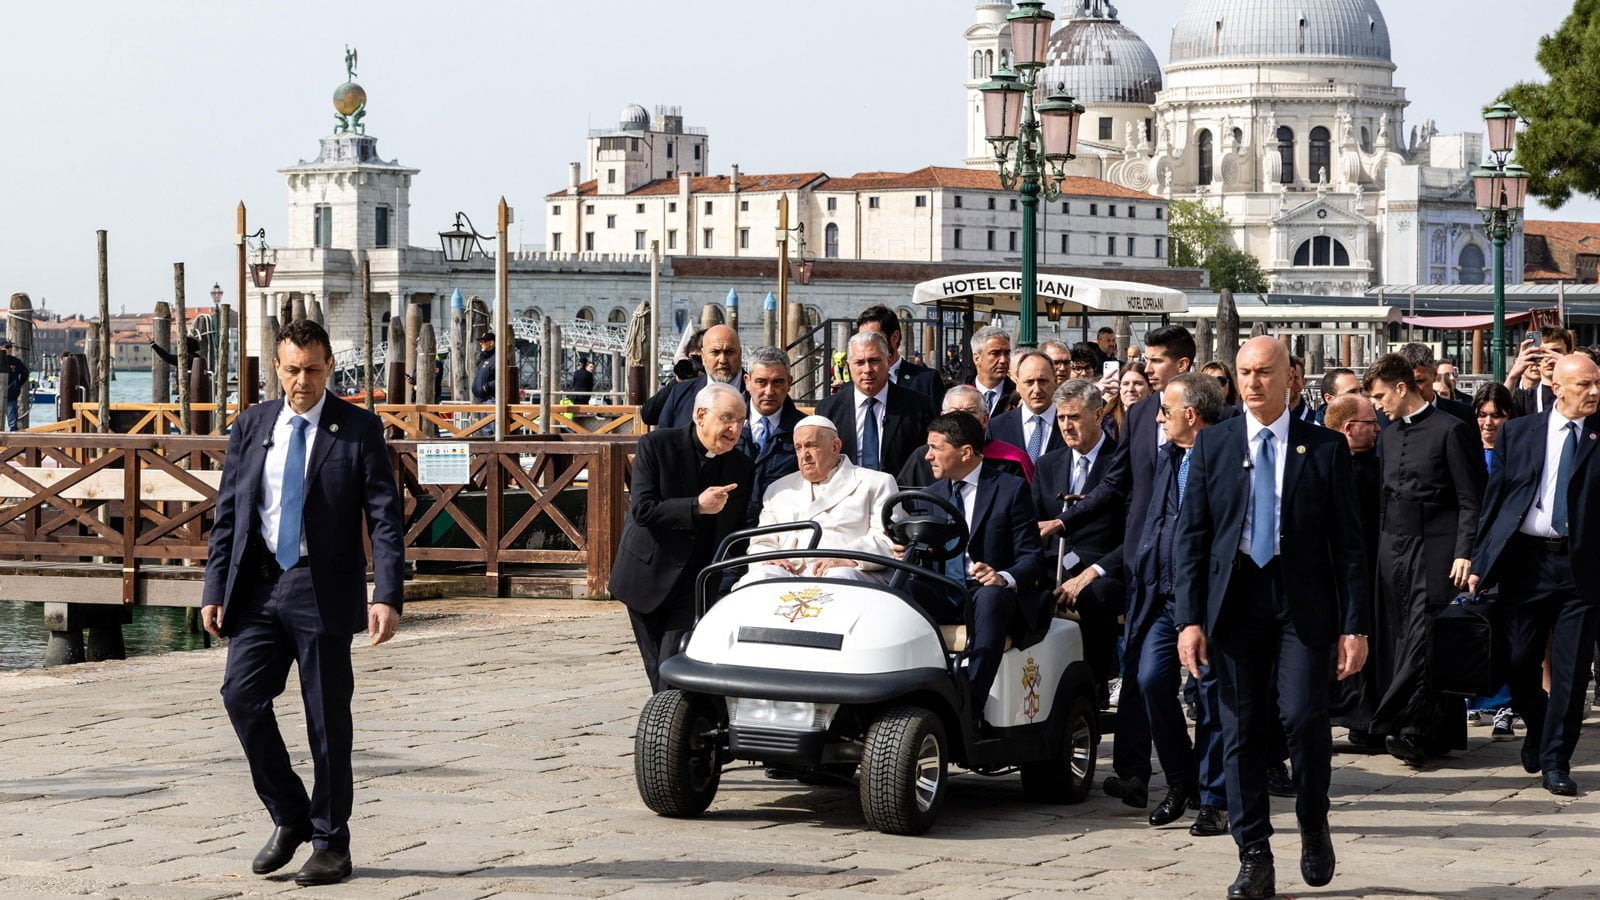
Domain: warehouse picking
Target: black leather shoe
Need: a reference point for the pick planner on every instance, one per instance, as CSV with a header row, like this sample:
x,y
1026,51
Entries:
x,y
1210,822
1404,749
1279,784
1172,808
1530,760
1256,880
280,848
1560,784
324,867
1316,855
1131,791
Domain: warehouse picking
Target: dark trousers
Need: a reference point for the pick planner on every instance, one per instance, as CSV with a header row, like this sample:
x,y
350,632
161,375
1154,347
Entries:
x,y
995,613
1197,765
659,632
1546,610
1411,707
1098,608
277,625
1255,646
1130,744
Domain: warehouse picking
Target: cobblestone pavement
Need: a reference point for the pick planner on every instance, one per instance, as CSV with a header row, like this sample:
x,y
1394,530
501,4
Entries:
x,y
493,758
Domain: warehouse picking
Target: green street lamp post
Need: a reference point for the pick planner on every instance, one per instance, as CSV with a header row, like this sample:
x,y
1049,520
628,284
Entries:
x,y
1500,190
1043,134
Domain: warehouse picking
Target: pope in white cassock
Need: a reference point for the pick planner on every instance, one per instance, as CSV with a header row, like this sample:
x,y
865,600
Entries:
x,y
845,499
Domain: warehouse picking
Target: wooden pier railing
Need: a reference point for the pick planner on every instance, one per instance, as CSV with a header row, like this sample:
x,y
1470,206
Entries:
x,y
440,421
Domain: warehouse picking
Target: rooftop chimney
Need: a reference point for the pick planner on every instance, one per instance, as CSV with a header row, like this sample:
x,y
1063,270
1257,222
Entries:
x,y
574,178
733,181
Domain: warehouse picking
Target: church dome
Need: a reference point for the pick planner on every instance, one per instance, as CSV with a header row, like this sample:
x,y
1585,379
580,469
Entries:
x,y
1100,60
1294,29
633,118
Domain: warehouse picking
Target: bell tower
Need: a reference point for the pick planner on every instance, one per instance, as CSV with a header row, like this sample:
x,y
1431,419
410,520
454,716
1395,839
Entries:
x,y
988,51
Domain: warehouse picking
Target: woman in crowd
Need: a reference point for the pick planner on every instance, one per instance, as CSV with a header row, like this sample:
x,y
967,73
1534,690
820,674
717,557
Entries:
x,y
1491,407
1122,391
1223,373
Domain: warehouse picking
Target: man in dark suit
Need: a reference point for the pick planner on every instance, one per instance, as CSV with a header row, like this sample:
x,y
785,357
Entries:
x,y
997,455
285,582
1191,403
1420,356
1031,425
1356,698
1433,478
1003,554
1537,361
582,383
1301,409
1535,541
722,356
1169,350
880,423
902,371
690,489
1269,580
1089,555
991,364
768,437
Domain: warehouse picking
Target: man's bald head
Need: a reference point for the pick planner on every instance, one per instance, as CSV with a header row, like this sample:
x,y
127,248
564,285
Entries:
x,y
1264,378
721,354
1576,383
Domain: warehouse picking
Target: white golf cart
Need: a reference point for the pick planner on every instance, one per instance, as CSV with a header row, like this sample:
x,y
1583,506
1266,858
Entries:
x,y
823,677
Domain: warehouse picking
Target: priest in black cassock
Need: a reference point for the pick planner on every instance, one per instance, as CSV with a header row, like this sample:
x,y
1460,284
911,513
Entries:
x,y
1433,477
1355,698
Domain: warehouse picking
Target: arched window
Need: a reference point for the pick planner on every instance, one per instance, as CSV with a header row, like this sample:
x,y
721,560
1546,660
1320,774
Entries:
x,y
1321,156
1286,153
1471,263
1322,251
1202,143
586,314
830,241
977,64
988,63
617,316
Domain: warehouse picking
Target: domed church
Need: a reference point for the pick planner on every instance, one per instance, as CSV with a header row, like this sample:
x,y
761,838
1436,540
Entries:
x,y
1282,114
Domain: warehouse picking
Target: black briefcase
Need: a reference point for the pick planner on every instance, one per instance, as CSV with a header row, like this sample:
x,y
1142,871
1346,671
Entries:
x,y
1463,651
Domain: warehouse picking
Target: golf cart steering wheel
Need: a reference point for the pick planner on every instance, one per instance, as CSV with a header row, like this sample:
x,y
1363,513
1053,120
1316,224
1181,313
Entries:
x,y
933,534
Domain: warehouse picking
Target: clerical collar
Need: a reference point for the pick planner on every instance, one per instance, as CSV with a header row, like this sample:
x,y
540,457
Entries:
x,y
1419,415
700,448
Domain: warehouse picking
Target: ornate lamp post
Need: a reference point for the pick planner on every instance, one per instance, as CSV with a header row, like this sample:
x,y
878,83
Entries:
x,y
261,277
1044,136
458,244
1500,191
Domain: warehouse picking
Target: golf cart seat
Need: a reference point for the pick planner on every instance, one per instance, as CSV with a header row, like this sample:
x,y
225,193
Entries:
x,y
955,638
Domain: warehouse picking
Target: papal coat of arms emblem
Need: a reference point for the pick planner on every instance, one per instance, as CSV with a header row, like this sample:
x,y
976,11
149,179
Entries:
x,y
806,603
1030,683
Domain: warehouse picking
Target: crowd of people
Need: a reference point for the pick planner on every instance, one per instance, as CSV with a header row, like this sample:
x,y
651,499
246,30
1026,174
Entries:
x,y
1238,551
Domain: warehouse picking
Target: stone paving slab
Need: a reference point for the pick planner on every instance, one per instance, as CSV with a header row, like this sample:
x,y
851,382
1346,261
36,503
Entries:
x,y
494,759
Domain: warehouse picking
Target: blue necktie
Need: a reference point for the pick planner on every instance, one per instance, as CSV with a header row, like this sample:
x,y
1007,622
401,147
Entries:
x,y
955,568
761,435
1183,483
1569,457
869,435
1264,504
291,504
1036,440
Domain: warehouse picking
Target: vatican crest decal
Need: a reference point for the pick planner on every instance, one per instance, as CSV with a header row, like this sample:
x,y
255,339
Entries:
x,y
1030,683
806,603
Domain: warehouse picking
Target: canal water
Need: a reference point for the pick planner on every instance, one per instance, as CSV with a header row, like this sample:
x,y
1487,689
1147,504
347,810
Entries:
x,y
154,629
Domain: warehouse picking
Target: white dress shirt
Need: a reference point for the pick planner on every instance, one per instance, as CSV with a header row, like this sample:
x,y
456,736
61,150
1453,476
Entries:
x,y
894,370
1539,520
272,474
1078,459
861,418
1281,450
991,396
755,421
1047,421
969,500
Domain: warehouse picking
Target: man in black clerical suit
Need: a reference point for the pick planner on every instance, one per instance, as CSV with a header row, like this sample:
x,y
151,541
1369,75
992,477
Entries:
x,y
1031,425
1538,541
880,424
1423,365
1089,576
1168,350
1433,479
902,371
690,489
1356,698
286,583
1003,557
1269,581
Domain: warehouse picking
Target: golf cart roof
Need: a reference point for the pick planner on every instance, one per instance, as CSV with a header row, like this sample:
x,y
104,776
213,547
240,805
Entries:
x,y
1001,292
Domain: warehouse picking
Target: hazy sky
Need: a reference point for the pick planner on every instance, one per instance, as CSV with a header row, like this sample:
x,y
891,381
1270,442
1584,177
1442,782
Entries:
x,y
153,119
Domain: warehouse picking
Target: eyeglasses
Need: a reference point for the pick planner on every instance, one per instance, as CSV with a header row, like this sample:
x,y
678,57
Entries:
x,y
1372,422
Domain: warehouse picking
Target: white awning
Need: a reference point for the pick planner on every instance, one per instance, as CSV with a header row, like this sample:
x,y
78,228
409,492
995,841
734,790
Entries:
x,y
1001,292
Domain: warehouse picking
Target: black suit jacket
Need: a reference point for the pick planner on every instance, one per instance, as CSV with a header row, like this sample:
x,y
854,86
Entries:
x,y
349,481
918,473
923,380
679,408
664,535
1096,538
778,460
1009,427
906,415
1127,483
1526,400
1004,534
1321,560
1461,411
1006,397
1514,483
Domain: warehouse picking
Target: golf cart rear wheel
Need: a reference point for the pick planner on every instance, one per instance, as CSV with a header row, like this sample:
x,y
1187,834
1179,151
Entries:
x,y
1068,777
903,771
675,758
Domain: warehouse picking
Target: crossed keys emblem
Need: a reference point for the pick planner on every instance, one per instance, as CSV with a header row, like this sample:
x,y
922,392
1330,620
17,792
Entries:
x,y
1030,681
806,603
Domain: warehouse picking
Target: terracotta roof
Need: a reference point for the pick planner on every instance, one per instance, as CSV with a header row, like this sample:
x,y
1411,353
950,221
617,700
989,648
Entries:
x,y
1546,275
707,184
926,178
1580,237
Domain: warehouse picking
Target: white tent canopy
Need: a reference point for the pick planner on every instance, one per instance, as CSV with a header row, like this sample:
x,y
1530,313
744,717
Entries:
x,y
1001,292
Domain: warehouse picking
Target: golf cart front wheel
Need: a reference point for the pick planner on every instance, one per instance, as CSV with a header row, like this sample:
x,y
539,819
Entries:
x,y
675,755
903,771
1068,776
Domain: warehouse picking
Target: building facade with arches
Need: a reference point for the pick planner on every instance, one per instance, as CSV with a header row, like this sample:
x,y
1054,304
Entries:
x,y
1285,116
